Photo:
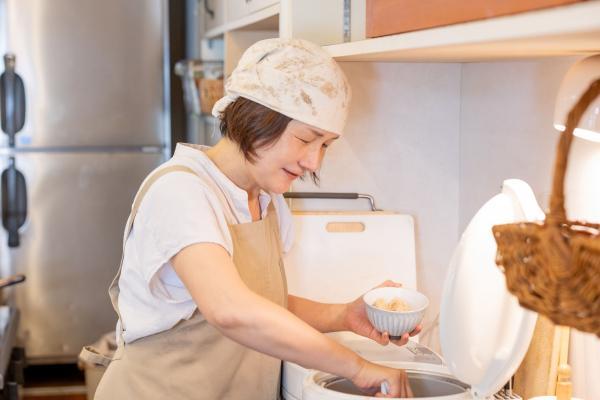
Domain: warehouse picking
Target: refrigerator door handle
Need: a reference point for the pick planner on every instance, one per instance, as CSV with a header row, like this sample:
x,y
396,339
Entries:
x,y
12,99
14,202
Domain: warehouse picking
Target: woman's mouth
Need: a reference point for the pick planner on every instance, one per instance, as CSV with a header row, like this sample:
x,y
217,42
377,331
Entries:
x,y
290,174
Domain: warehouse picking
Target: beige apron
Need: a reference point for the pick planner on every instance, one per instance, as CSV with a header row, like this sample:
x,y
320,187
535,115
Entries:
x,y
193,360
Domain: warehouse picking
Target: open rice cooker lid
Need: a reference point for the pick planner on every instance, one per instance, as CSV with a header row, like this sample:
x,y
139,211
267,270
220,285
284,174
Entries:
x,y
484,332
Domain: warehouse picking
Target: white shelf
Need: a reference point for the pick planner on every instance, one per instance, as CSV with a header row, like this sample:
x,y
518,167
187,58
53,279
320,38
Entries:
x,y
565,30
266,19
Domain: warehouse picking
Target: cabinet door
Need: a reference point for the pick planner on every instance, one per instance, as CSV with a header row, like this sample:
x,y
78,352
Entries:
x,y
256,5
237,9
214,13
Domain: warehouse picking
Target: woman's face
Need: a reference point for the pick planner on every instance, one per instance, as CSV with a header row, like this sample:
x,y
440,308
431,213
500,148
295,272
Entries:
x,y
299,150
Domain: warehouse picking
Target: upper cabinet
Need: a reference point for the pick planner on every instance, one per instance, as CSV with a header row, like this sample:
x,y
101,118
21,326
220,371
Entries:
x,y
257,5
240,9
339,26
250,15
558,31
214,14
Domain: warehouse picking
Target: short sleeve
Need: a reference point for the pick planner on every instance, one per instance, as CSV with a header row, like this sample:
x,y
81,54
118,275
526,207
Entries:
x,y
177,211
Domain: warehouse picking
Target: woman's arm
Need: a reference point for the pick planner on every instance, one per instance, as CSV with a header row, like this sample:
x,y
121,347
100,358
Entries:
x,y
344,317
253,321
321,316
227,303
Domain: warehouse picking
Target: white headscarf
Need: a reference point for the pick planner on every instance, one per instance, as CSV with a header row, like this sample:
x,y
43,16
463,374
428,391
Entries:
x,y
294,77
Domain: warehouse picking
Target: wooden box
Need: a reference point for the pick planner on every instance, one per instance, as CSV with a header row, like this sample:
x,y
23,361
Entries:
x,y
387,17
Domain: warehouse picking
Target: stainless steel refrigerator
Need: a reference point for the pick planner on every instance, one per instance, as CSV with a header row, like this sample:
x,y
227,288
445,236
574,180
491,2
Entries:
x,y
96,120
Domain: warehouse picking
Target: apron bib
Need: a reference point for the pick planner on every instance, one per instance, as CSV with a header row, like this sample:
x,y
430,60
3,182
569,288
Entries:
x,y
193,360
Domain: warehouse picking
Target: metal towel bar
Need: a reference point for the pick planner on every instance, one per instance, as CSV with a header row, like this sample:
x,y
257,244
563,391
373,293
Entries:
x,y
330,195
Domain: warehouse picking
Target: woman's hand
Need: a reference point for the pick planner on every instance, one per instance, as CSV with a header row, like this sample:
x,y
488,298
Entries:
x,y
371,376
356,321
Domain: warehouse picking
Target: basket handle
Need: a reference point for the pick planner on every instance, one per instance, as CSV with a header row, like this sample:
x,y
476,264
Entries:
x,y
557,215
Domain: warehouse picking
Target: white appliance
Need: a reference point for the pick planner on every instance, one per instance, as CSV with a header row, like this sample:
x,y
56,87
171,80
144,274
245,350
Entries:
x,y
484,332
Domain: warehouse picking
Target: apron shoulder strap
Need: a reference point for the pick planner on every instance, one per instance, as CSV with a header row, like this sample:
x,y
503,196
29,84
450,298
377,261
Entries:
x,y
137,201
113,291
273,219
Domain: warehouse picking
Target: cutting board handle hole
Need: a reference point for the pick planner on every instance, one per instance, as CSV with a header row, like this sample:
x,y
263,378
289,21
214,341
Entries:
x,y
338,227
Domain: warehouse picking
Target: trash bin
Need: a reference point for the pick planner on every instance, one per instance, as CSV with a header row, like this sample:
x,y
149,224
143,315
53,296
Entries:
x,y
106,345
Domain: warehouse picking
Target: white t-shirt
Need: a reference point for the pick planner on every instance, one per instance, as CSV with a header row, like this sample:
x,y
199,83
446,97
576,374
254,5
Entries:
x,y
178,210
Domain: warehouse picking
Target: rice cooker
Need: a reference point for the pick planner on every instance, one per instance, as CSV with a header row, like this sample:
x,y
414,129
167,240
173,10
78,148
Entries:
x,y
484,333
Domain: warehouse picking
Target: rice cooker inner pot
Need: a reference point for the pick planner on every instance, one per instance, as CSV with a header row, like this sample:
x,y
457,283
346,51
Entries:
x,y
422,385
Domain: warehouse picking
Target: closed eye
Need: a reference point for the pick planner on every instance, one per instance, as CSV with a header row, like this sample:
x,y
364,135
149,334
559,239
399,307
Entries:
x,y
302,140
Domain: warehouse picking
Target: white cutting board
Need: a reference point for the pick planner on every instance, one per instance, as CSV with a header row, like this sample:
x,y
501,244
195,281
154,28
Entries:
x,y
330,266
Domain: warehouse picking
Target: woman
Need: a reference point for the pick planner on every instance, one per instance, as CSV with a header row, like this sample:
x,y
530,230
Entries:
x,y
201,295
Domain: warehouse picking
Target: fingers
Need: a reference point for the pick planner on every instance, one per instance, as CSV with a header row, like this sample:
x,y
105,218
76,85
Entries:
x,y
402,341
389,283
417,330
383,382
405,390
405,337
381,338
409,392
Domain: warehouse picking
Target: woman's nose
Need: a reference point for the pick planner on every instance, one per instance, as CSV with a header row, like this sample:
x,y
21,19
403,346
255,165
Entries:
x,y
311,160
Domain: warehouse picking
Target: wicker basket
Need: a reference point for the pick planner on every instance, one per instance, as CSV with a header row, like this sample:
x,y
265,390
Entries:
x,y
553,267
202,83
211,90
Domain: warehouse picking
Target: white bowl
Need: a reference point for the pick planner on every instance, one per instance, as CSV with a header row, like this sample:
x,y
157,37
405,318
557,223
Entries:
x,y
395,323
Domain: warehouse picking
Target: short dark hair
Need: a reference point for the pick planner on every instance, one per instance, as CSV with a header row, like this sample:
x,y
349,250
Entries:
x,y
253,126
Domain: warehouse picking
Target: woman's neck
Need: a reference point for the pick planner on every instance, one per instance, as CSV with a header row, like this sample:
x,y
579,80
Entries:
x,y
229,159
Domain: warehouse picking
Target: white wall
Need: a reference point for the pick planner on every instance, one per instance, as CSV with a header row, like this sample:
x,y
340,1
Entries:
x,y
506,128
401,145
436,141
506,132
